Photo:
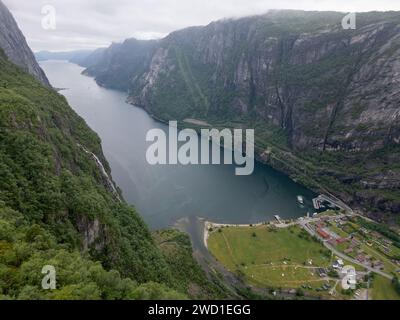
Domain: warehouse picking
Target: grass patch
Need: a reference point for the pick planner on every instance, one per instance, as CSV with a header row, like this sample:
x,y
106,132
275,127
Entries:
x,y
382,289
270,258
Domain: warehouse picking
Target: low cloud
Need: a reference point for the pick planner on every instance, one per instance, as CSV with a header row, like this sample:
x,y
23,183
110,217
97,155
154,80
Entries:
x,y
83,24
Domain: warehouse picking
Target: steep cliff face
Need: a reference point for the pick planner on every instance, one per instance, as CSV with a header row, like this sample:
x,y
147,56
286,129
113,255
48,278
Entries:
x,y
118,66
54,173
59,205
327,87
324,101
13,43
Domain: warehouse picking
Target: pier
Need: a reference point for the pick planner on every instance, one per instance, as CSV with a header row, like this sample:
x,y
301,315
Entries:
x,y
324,201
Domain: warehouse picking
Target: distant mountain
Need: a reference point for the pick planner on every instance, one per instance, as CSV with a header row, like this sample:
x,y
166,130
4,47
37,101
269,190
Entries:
x,y
13,43
324,101
119,65
84,58
92,58
73,56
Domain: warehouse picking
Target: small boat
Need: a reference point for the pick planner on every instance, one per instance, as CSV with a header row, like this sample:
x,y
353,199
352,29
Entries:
x,y
300,199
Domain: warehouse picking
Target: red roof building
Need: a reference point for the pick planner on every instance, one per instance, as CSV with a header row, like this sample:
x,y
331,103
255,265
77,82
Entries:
x,y
323,234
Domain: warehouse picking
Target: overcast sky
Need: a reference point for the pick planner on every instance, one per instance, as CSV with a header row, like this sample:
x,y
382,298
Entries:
x,y
83,24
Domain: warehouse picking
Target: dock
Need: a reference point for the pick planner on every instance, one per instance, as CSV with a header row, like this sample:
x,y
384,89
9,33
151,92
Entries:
x,y
326,202
316,203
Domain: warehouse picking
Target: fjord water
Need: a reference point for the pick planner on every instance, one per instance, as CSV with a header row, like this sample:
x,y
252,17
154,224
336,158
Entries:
x,y
164,194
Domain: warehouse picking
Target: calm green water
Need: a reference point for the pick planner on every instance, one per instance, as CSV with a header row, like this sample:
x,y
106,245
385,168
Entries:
x,y
164,194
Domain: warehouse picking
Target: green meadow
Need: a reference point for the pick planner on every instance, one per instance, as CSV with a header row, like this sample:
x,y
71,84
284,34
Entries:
x,y
268,257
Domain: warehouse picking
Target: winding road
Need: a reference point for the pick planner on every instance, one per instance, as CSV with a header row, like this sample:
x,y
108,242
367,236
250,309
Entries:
x,y
306,227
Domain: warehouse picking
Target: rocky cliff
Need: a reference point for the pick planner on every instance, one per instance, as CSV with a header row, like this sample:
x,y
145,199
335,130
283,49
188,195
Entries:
x,y
322,84
13,43
117,66
324,101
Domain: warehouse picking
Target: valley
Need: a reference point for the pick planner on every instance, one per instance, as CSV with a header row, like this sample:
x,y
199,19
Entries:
x,y
180,191
322,100
114,177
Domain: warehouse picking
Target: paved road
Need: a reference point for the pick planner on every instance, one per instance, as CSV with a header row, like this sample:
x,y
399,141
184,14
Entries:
x,y
342,255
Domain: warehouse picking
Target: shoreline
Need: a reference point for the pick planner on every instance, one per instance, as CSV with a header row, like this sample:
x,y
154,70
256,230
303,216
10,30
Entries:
x,y
278,224
316,188
259,157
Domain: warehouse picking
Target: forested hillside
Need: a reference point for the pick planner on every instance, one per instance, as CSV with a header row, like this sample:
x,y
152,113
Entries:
x,y
60,207
57,207
324,101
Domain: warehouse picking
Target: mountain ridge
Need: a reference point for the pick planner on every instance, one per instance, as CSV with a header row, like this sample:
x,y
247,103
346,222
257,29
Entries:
x,y
79,57
13,42
323,100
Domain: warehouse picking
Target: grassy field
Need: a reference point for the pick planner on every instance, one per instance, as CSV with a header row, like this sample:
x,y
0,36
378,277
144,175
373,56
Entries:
x,y
389,266
270,258
338,231
283,276
382,289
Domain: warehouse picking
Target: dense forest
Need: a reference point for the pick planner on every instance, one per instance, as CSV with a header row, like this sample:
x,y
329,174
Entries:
x,y
57,208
